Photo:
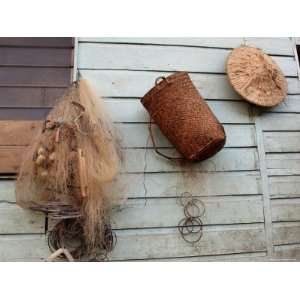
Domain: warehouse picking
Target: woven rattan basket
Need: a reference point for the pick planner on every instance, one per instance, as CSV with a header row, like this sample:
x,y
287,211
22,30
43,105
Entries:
x,y
184,117
256,77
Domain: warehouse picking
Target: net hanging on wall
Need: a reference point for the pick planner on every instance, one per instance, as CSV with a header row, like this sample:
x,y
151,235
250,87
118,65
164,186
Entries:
x,y
71,172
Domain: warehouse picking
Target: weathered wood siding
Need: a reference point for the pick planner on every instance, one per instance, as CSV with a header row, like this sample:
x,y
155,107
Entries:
x,y
33,73
250,189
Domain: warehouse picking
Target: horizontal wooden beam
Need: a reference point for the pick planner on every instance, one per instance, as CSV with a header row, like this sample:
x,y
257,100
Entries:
x,y
146,160
163,243
116,83
284,186
159,58
29,76
21,97
35,57
15,220
146,213
277,46
56,42
18,133
282,141
157,185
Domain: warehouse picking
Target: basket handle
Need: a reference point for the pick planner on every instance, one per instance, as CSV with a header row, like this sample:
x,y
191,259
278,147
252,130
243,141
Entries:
x,y
161,78
155,147
157,81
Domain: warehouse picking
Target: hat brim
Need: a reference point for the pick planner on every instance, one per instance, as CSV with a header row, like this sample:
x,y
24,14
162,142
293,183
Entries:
x,y
256,77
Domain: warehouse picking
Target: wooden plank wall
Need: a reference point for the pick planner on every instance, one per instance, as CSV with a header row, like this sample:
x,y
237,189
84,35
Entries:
x,y
230,184
250,188
34,72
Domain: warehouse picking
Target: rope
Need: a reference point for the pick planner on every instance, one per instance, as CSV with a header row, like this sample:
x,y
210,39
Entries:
x,y
58,253
159,80
155,147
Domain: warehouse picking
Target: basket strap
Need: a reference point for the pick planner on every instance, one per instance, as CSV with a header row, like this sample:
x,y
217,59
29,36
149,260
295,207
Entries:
x,y
155,147
157,81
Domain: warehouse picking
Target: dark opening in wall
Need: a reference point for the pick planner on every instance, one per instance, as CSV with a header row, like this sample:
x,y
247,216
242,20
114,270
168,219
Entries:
x,y
298,53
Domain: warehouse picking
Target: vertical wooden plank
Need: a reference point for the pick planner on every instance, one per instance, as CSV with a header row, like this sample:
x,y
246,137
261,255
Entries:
x,y
264,184
75,60
294,41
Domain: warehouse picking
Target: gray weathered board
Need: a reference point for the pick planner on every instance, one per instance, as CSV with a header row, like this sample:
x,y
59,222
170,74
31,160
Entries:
x,y
251,189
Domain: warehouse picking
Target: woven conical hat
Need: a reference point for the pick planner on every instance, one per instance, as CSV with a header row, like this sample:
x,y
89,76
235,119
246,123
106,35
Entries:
x,y
256,77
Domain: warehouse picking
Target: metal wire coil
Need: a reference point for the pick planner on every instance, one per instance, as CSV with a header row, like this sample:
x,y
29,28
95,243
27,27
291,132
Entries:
x,y
190,227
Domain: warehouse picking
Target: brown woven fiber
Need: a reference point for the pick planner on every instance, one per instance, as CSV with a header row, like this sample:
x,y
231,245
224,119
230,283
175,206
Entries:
x,y
256,77
184,117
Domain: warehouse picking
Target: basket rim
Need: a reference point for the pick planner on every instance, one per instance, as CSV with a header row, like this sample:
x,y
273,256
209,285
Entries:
x,y
162,84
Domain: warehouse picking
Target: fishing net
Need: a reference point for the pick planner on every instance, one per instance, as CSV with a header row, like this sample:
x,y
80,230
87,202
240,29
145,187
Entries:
x,y
71,172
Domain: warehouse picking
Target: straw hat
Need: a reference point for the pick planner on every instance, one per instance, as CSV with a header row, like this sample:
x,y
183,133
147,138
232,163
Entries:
x,y
256,77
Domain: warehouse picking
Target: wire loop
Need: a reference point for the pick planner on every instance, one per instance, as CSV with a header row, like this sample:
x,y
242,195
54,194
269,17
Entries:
x,y
190,227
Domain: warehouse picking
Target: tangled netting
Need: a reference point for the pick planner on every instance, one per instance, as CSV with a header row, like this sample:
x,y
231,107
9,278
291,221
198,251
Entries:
x,y
68,234
71,173
190,227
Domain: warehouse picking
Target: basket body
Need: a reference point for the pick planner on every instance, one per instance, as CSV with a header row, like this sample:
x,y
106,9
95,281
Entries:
x,y
184,117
